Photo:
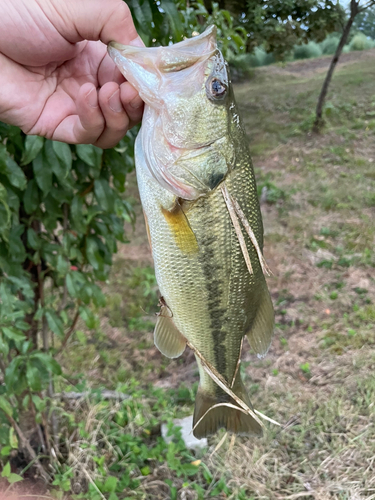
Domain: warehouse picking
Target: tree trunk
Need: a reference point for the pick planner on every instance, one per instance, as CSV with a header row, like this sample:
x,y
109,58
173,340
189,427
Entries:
x,y
323,93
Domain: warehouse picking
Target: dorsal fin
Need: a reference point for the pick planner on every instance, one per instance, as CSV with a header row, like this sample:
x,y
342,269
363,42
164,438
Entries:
x,y
168,339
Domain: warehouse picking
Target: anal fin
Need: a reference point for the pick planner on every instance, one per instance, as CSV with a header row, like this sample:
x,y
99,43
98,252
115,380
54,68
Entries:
x,y
261,331
168,339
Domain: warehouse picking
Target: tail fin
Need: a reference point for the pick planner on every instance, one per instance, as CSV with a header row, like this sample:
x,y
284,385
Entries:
x,y
223,416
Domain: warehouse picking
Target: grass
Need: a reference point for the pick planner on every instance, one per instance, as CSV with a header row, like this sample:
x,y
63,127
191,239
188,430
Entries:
x,y
318,204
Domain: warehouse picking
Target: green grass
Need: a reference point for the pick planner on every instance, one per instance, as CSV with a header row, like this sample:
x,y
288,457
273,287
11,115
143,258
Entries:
x,y
317,380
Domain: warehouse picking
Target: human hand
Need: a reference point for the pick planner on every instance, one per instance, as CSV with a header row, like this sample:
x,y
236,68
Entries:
x,y
56,78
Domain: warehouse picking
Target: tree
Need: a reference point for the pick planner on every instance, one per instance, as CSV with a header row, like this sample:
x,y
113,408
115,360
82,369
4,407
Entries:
x,y
355,9
365,22
278,25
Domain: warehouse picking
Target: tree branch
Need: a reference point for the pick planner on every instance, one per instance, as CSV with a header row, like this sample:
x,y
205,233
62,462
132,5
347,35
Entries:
x,y
25,443
69,332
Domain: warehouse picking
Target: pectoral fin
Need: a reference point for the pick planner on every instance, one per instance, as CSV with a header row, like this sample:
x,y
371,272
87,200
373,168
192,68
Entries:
x,y
181,230
261,332
168,339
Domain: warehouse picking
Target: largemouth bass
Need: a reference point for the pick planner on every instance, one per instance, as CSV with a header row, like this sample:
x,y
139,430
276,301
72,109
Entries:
x,y
197,189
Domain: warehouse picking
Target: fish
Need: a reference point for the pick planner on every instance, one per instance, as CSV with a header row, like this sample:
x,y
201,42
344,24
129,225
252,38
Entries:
x,y
199,197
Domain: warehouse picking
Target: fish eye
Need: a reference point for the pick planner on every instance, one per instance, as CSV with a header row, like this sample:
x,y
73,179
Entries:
x,y
217,88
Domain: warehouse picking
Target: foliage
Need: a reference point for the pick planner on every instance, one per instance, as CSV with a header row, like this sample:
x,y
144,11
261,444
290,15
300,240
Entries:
x,y
365,22
61,217
329,45
361,42
196,17
307,51
160,23
280,25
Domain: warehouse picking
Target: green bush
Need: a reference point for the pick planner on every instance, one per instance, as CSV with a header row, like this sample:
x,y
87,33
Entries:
x,y
260,58
242,64
307,51
329,45
361,42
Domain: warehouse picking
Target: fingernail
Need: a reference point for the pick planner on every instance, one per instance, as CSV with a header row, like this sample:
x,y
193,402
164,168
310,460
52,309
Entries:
x,y
137,42
136,103
92,98
115,103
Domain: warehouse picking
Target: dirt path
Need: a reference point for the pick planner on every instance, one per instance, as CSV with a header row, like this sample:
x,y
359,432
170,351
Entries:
x,y
308,67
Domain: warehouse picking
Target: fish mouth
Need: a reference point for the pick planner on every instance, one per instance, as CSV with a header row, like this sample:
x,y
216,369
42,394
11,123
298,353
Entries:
x,y
144,67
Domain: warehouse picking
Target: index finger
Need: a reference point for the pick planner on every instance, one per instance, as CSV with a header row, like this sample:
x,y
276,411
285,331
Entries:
x,y
104,20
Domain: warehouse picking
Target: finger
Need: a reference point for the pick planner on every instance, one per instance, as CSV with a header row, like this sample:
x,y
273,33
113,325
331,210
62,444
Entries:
x,y
116,119
108,72
95,20
87,125
132,103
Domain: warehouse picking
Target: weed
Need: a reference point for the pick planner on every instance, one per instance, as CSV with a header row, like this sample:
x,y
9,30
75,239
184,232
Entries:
x,y
305,367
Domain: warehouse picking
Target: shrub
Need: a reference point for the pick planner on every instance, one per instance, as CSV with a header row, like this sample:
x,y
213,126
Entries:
x,y
361,42
329,45
307,51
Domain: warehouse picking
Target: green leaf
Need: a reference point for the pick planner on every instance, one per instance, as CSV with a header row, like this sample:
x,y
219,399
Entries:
x,y
71,285
13,441
33,239
6,407
4,347
33,377
13,333
6,470
51,364
145,471
26,401
110,484
189,469
14,478
31,197
93,254
104,194
5,450
55,323
173,17
33,145
15,378
62,265
142,14
43,173
90,154
16,247
88,317
64,155
4,212
76,210
15,174
81,336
